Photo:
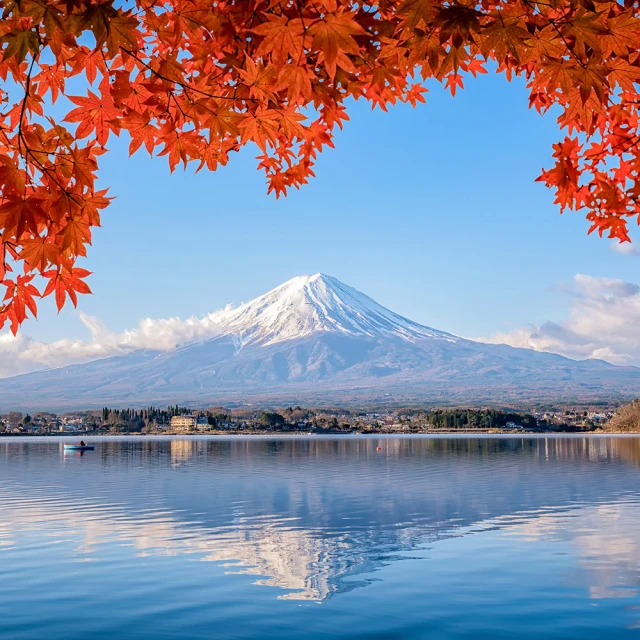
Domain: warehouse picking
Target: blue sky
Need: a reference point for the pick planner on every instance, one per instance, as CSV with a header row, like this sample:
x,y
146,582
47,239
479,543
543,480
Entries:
x,y
434,212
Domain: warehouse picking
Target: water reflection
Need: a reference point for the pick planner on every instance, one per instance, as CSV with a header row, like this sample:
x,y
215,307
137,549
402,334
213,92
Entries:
x,y
317,517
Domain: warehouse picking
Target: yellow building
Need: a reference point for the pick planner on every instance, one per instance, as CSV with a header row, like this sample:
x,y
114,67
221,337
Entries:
x,y
183,423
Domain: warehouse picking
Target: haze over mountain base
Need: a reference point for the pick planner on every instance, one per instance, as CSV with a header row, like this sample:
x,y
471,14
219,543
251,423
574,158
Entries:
x,y
316,340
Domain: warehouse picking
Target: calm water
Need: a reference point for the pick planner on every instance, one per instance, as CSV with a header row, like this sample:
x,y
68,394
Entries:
x,y
321,538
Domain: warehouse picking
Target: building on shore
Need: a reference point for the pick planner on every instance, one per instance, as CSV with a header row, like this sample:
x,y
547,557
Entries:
x,y
183,423
188,422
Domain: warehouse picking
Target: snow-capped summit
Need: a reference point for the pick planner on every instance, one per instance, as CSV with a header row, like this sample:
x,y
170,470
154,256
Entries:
x,y
319,303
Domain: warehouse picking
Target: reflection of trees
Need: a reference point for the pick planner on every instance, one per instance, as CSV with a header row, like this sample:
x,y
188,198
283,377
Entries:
x,y
156,450
627,450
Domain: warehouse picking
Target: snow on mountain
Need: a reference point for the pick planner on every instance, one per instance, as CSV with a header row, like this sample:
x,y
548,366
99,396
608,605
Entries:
x,y
315,339
308,304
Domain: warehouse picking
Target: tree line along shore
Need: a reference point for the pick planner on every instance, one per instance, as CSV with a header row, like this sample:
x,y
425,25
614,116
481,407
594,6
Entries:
x,y
178,419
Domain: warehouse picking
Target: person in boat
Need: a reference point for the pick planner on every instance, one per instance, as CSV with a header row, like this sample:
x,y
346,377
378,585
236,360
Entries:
x,y
81,444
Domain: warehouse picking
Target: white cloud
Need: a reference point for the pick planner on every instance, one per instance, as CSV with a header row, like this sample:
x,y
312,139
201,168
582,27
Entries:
x,y
626,248
603,323
22,354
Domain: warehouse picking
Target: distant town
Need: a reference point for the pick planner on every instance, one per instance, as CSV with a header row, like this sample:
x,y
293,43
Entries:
x,y
219,420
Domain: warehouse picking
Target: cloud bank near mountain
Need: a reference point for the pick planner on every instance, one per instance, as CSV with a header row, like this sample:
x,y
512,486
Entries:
x,y
22,354
603,323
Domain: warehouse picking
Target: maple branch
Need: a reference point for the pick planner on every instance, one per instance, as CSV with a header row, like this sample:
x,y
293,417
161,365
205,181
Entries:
x,y
552,22
51,173
184,115
304,31
24,104
180,84
22,141
632,140
569,49
3,262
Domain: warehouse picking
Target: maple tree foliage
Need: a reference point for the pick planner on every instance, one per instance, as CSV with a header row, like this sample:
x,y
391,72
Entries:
x,y
195,80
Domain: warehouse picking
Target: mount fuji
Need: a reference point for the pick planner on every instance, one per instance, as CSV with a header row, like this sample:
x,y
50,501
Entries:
x,y
315,339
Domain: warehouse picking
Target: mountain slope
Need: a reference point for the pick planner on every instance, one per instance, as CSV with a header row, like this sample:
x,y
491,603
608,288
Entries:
x,y
316,339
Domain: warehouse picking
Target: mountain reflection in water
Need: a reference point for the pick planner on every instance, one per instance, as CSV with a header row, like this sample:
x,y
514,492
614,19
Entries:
x,y
318,517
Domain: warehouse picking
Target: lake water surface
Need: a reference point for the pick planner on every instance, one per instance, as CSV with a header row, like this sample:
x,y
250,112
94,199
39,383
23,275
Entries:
x,y
291,538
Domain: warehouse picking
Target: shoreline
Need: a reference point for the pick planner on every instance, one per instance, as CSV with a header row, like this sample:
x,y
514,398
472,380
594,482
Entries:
x,y
308,435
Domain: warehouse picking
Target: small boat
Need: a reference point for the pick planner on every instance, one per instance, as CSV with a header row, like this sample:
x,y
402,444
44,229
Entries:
x,y
78,447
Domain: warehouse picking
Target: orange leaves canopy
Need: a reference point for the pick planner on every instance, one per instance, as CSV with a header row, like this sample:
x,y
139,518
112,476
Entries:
x,y
194,80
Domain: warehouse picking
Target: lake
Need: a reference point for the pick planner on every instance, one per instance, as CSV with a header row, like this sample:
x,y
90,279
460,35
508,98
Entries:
x,y
320,537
